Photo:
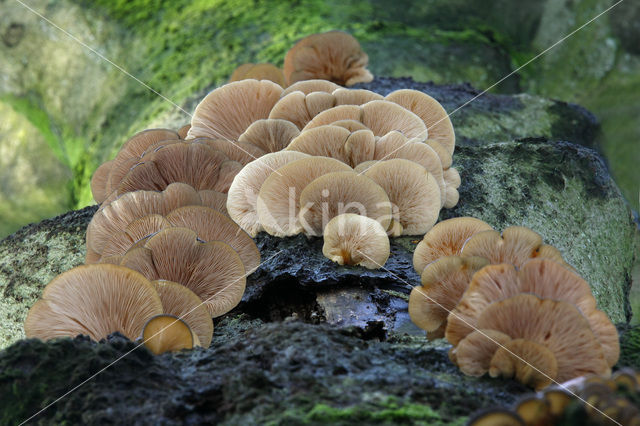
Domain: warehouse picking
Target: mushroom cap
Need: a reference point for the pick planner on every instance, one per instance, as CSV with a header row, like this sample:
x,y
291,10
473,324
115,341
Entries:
x,y
473,354
430,111
117,215
195,164
93,300
335,56
242,152
516,245
381,117
258,72
557,325
446,239
212,270
278,200
227,111
443,283
360,147
530,363
243,193
350,125
136,231
118,171
178,300
445,158
496,417
534,411
211,225
138,143
452,183
310,86
214,199
352,239
355,96
336,193
167,333
270,135
558,400
412,189
395,145
99,181
299,108
182,131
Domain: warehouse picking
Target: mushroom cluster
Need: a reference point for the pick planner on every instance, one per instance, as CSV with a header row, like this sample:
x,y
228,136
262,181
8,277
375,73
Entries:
x,y
333,56
509,305
586,400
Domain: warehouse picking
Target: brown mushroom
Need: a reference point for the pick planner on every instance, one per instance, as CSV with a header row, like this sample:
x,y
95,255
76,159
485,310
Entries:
x,y
300,108
212,270
167,333
534,411
351,239
412,189
278,200
446,239
227,111
310,86
335,56
94,300
99,181
182,132
336,193
259,72
243,193
496,417
270,135
532,364
120,242
473,354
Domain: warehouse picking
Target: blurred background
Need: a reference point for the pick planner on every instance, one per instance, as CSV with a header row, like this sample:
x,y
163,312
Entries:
x,y
64,110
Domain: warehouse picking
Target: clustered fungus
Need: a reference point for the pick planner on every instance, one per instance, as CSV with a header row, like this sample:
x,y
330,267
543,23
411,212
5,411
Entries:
x,y
591,399
509,304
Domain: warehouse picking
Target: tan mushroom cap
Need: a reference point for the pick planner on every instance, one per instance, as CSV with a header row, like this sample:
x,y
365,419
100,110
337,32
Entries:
x,y
360,147
270,135
138,143
227,111
412,189
178,300
195,164
116,216
530,363
337,193
350,125
352,239
499,417
516,245
167,333
262,71
214,199
118,171
381,117
299,108
211,225
473,354
278,200
443,283
446,239
395,145
335,56
452,183
183,131
430,111
242,152
355,96
212,270
544,278
137,230
243,193
94,300
557,325
99,181
310,86
445,158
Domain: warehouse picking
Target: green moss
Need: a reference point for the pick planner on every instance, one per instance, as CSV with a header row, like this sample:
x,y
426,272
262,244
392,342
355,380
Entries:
x,y
630,347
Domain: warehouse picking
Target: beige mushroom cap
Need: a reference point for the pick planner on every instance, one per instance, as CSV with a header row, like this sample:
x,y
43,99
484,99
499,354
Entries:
x,y
430,111
167,333
212,270
473,354
270,135
99,181
178,300
350,125
337,193
310,86
335,56
351,239
243,193
381,117
140,142
278,200
539,370
446,239
94,300
412,189
557,325
355,96
136,231
227,111
452,183
443,283
299,108
258,72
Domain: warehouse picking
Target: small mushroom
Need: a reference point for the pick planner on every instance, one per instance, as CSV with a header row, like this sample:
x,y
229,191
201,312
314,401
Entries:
x,y
446,239
99,181
352,239
167,333
227,111
335,56
279,198
531,363
300,108
270,135
93,300
355,96
496,417
474,353
310,86
258,72
534,411
336,193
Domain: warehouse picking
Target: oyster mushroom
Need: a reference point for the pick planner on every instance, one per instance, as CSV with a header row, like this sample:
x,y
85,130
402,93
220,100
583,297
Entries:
x,y
167,333
336,142
270,135
310,86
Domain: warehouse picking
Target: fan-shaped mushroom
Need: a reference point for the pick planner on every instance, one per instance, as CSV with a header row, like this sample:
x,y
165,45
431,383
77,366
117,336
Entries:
x,y
336,142
270,135
355,96
310,86
300,108
530,363
351,239
167,333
